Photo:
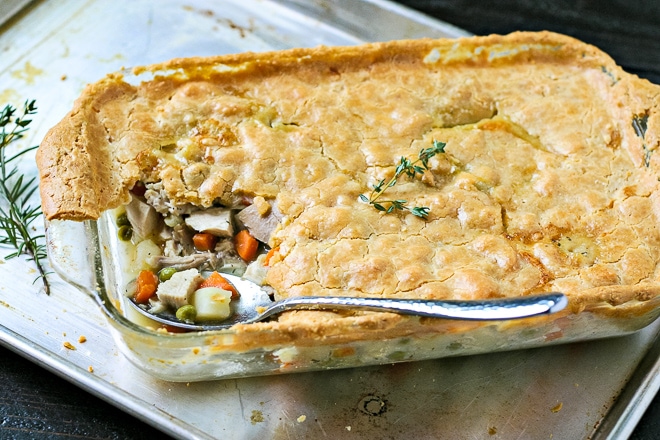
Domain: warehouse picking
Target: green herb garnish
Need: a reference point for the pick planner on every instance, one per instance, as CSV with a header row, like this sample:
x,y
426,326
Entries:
x,y
410,169
639,124
16,212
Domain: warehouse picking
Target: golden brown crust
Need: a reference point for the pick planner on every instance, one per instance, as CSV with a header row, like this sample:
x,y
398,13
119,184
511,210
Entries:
x,y
80,176
549,181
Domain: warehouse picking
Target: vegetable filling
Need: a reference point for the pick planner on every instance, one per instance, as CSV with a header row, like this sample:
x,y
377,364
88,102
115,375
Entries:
x,y
184,250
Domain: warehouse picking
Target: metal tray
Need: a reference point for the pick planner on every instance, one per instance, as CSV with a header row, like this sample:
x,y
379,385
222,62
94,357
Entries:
x,y
52,49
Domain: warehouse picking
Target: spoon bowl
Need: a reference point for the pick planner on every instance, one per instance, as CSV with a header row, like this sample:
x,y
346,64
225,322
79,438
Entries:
x,y
255,305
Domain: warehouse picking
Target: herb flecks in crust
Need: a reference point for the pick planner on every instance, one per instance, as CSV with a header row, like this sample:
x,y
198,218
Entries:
x,y
639,124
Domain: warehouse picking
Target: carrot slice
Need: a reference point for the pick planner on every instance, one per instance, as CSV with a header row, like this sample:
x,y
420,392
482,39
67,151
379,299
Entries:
x,y
269,255
203,241
146,285
217,280
139,189
173,329
246,245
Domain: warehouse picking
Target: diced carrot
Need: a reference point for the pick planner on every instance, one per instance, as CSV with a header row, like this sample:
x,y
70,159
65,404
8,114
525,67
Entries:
x,y
246,245
146,285
203,241
174,329
269,255
139,189
217,280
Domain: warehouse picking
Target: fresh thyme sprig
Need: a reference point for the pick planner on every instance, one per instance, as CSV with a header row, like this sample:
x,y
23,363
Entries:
x,y
16,212
410,169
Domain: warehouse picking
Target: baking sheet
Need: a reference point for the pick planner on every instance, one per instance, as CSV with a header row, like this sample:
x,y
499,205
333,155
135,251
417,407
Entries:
x,y
9,8
53,49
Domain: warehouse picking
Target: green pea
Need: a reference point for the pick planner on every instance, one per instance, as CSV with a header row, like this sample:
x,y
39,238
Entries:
x,y
186,313
122,220
125,232
166,273
397,356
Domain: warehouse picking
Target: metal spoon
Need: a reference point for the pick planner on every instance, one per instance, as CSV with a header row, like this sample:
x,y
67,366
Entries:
x,y
255,305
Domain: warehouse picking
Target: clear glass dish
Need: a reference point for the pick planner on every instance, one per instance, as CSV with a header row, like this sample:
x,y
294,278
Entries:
x,y
88,256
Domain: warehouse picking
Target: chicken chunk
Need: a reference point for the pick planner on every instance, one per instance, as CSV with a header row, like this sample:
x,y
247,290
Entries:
x,y
176,291
143,218
260,224
216,221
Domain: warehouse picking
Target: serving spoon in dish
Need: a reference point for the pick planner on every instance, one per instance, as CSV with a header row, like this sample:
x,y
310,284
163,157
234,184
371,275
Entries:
x,y
255,305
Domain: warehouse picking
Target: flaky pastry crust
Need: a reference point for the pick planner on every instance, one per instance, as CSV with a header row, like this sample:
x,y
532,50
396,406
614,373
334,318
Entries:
x,y
548,181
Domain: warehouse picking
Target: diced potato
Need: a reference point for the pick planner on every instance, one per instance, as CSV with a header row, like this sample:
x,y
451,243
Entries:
x,y
144,251
256,271
212,303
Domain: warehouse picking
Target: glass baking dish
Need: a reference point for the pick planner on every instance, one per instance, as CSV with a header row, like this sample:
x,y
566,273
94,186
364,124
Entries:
x,y
88,256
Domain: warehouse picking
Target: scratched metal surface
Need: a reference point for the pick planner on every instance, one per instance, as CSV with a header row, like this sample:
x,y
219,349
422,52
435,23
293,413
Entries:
x,y
53,48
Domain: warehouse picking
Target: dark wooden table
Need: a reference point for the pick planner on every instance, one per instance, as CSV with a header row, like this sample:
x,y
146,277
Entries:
x,y
35,403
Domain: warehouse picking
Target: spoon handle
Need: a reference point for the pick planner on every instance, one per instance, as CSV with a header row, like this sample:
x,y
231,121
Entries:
x,y
484,310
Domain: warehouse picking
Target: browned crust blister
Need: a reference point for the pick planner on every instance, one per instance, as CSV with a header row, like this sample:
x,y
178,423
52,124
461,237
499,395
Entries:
x,y
548,181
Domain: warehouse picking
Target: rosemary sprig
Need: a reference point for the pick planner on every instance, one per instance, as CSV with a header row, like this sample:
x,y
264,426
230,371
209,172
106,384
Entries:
x,y
16,212
410,169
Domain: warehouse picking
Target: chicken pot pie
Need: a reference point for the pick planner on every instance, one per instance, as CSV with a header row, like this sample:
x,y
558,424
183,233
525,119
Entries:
x,y
543,175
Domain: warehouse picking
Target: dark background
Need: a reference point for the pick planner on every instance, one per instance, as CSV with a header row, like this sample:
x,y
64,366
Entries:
x,y
35,403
